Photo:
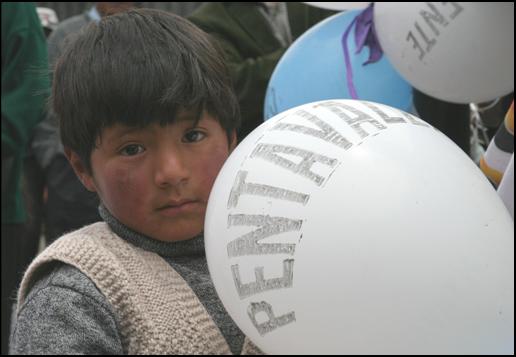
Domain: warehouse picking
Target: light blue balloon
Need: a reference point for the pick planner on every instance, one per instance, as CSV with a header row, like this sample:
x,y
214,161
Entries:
x,y
313,69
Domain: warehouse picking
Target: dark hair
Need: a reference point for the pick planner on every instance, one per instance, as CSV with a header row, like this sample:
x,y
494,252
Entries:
x,y
136,68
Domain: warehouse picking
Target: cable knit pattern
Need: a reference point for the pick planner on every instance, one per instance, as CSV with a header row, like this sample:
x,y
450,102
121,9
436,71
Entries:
x,y
158,312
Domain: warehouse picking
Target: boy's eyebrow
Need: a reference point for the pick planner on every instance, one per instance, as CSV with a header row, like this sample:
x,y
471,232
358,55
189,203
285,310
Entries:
x,y
121,130
118,133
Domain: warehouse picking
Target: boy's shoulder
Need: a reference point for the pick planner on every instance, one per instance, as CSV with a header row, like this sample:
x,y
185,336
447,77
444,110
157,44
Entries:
x,y
55,266
65,313
61,277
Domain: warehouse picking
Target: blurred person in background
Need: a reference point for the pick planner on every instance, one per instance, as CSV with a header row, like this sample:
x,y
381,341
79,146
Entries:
x,y
69,205
253,37
25,88
48,18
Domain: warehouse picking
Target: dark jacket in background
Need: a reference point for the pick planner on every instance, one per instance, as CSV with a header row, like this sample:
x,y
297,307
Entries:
x,y
251,48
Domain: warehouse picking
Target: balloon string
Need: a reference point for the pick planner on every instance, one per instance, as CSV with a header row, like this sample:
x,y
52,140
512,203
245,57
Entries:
x,y
365,35
349,69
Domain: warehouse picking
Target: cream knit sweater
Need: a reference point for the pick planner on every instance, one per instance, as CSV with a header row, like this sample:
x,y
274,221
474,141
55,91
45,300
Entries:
x,y
158,312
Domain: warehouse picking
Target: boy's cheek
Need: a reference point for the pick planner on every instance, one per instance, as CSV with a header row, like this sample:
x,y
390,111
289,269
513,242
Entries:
x,y
123,189
214,165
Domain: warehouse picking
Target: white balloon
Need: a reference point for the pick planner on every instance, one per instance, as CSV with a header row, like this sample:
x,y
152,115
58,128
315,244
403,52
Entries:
x,y
352,227
459,52
339,5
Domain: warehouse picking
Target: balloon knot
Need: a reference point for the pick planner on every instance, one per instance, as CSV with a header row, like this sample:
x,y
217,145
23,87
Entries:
x,y
365,35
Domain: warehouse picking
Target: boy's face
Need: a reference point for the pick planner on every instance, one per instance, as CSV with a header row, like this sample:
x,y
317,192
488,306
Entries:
x,y
157,180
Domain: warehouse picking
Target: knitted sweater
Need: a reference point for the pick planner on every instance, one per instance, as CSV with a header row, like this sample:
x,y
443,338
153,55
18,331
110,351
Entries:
x,y
156,310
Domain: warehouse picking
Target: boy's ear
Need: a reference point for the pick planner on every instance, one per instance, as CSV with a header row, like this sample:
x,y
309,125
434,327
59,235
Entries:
x,y
233,141
80,170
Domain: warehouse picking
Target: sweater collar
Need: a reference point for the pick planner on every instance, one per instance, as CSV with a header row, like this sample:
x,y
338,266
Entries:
x,y
190,247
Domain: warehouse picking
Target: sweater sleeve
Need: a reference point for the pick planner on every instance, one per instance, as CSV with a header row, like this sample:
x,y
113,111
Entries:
x,y
65,313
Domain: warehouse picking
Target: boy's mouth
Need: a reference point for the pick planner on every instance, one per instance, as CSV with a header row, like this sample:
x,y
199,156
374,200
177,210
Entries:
x,y
173,208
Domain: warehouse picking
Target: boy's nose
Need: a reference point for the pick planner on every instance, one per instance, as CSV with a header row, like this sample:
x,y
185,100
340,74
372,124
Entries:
x,y
171,170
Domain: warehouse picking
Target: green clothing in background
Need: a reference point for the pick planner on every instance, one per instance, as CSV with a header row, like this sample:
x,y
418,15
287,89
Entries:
x,y
25,86
251,48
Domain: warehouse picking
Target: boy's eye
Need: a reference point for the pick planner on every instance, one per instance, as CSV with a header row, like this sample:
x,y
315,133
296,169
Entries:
x,y
193,136
131,150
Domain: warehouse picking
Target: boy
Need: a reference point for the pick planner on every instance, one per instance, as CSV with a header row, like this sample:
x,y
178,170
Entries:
x,y
147,118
